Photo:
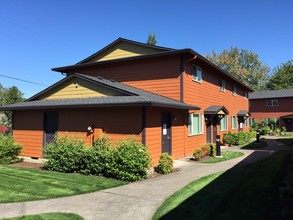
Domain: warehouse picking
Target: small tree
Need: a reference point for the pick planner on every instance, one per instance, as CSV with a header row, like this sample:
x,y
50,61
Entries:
x,y
9,96
152,39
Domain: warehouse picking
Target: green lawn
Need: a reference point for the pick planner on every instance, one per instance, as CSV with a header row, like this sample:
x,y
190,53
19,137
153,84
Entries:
x,y
240,193
48,216
255,145
19,184
227,155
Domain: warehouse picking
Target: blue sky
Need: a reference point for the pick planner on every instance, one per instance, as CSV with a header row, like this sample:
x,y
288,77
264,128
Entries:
x,y
36,35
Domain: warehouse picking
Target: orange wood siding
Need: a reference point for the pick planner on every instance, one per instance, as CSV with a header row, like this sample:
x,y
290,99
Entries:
x,y
156,75
154,132
208,93
28,131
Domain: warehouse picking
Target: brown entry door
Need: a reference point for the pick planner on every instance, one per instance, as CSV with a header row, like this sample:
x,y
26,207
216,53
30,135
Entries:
x,y
288,124
166,133
50,126
208,129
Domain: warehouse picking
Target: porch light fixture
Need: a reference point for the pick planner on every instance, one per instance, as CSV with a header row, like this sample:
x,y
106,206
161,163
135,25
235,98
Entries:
x,y
89,128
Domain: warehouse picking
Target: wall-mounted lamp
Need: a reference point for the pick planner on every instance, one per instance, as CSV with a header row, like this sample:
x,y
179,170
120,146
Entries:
x,y
89,128
76,85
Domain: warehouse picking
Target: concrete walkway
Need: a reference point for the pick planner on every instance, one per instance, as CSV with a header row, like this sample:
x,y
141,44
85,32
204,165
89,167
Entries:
x,y
137,200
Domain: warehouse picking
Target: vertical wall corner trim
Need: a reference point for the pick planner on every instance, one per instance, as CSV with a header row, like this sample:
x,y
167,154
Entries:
x,y
143,125
181,78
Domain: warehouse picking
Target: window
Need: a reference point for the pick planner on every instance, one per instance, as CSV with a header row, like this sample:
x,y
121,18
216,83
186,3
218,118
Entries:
x,y
234,122
224,123
234,90
196,73
272,102
251,121
195,124
223,85
246,122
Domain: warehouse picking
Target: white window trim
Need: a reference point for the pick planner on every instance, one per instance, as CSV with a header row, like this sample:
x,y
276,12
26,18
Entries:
x,y
223,86
202,123
226,129
236,124
196,77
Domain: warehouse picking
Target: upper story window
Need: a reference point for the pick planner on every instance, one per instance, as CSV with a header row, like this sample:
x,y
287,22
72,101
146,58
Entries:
x,y
222,85
272,102
234,90
196,73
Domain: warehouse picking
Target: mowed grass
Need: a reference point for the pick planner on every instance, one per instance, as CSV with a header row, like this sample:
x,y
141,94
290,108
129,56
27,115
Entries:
x,y
227,155
19,184
240,193
48,216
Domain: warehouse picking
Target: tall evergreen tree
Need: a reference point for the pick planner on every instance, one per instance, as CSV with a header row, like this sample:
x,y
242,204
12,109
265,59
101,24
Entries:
x,y
152,39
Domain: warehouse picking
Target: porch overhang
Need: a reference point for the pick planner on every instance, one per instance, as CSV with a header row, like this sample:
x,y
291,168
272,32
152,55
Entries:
x,y
216,110
243,113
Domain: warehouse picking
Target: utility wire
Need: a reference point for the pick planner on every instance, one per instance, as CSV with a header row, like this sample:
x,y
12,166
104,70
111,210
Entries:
x,y
22,80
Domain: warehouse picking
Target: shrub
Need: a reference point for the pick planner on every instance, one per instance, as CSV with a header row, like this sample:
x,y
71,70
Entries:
x,y
197,153
9,150
130,161
230,138
213,150
101,156
206,149
165,165
278,131
283,130
66,154
265,130
242,138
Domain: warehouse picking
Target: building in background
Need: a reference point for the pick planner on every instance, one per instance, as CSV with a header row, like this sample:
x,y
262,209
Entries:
x,y
273,104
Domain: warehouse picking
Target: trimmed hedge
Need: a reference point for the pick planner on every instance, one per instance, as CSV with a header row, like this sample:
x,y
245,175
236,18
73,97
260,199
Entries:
x,y
165,165
9,150
127,160
239,138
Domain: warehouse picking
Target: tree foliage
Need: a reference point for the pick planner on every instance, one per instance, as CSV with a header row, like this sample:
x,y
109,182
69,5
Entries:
x,y
152,39
9,96
282,77
244,65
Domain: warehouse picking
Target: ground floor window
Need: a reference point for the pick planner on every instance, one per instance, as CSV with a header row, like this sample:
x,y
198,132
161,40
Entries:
x,y
195,124
234,122
246,122
224,123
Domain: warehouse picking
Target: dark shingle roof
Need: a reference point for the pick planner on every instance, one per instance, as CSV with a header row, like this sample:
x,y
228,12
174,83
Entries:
x,y
135,97
213,109
243,113
271,94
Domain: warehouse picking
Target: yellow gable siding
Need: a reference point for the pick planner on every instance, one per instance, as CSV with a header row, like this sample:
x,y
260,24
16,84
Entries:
x,y
77,88
122,50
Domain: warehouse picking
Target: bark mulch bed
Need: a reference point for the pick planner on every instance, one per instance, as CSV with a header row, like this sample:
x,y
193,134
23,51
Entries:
x,y
37,166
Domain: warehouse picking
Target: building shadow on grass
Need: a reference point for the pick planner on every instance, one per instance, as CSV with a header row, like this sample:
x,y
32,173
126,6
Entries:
x,y
246,191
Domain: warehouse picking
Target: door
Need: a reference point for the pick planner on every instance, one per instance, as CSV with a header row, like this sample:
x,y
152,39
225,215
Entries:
x,y
50,126
208,129
288,124
166,133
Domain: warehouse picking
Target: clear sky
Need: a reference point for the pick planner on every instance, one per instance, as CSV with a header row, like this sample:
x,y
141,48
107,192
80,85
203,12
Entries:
x,y
37,35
